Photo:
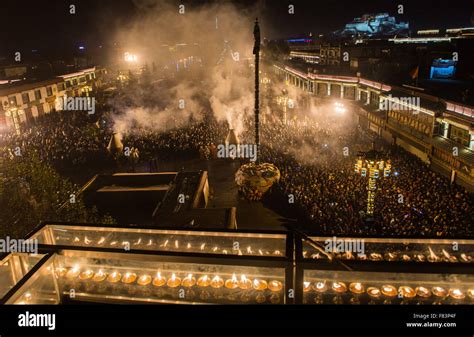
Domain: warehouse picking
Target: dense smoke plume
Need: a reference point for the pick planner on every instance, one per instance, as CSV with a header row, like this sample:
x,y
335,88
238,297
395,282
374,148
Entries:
x,y
316,128
217,36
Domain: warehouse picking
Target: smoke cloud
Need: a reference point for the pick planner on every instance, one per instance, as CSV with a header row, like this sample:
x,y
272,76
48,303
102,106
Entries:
x,y
204,54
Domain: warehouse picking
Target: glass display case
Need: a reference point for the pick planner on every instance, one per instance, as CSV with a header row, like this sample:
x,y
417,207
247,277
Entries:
x,y
386,249
91,276
184,241
40,288
353,287
102,264
14,267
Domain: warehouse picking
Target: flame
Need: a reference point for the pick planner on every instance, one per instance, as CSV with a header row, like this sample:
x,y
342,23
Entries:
x,y
446,254
433,256
320,285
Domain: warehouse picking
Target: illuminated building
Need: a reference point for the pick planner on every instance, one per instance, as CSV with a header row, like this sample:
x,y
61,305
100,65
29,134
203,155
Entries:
x,y
80,82
20,103
308,57
23,101
306,44
330,54
370,25
437,130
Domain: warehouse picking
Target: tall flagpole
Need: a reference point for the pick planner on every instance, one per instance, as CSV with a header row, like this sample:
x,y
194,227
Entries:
x,y
255,180
256,52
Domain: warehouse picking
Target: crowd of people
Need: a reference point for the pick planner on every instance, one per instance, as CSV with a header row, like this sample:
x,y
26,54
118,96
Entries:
x,y
412,201
194,140
315,154
64,140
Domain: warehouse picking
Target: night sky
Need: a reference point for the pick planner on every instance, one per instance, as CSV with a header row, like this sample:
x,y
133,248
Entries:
x,y
46,24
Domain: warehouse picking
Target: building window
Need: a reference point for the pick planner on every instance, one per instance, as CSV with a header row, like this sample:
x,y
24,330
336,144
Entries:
x,y
38,94
49,91
459,135
12,100
444,129
25,98
61,86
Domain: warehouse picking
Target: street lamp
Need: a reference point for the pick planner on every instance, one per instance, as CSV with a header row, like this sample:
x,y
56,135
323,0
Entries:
x,y
339,107
130,57
373,165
